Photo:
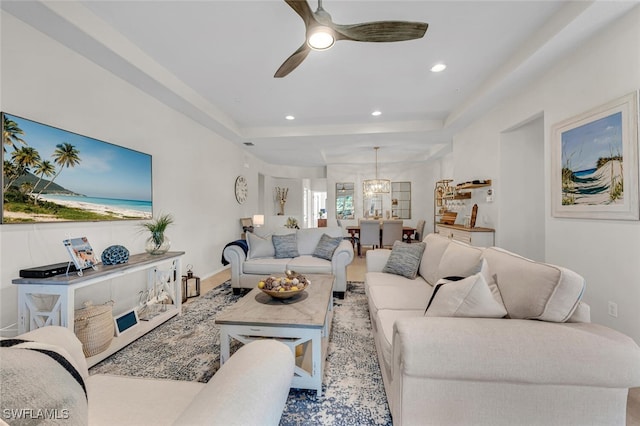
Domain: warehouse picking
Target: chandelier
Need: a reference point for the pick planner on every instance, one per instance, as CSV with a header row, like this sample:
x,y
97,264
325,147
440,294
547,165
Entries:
x,y
376,186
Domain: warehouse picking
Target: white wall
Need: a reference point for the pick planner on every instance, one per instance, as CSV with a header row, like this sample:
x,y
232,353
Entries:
x,y
605,252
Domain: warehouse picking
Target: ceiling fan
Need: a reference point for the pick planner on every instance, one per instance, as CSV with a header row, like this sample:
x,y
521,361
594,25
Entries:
x,y
322,33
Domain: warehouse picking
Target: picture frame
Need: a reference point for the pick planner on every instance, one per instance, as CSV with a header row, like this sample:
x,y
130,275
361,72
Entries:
x,y
81,253
594,163
125,321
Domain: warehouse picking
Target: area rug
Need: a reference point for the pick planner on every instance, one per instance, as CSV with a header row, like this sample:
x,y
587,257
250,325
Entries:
x,y
187,347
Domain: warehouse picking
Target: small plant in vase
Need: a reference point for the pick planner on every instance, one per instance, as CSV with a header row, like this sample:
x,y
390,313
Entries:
x,y
158,242
292,223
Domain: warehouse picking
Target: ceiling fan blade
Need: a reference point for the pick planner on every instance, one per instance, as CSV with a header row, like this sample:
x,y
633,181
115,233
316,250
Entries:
x,y
303,9
293,61
381,31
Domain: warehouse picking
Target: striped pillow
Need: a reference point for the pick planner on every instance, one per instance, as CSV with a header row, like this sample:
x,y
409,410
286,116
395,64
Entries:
x,y
405,259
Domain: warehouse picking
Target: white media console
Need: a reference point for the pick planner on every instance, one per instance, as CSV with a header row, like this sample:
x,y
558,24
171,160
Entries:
x,y
62,289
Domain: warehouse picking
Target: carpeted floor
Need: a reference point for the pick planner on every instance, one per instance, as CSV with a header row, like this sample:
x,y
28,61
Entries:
x,y
187,348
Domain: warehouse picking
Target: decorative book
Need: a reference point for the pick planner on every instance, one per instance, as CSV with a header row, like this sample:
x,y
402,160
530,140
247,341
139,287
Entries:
x,y
81,253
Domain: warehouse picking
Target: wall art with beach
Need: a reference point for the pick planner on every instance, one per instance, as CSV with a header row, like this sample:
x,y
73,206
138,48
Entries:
x,y
595,163
53,175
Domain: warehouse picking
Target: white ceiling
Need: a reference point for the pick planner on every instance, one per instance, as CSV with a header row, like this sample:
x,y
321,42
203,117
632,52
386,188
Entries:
x,y
214,61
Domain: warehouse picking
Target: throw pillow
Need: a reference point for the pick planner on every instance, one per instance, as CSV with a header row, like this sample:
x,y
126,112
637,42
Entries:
x,y
460,260
285,246
326,246
260,246
404,259
491,282
534,290
469,297
41,376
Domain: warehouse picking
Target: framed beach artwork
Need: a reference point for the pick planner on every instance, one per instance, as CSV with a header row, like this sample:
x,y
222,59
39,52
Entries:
x,y
53,175
594,160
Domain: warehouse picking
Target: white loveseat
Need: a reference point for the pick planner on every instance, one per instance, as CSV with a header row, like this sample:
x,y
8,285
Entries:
x,y
249,389
545,365
260,260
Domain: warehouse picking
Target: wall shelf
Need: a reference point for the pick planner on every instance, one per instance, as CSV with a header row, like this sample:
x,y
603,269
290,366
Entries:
x,y
473,185
457,196
445,191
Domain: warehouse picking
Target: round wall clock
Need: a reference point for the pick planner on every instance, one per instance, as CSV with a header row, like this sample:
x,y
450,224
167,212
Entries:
x,y
242,189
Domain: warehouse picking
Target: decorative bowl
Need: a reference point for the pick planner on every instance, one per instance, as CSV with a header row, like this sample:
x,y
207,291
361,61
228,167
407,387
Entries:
x,y
284,287
114,255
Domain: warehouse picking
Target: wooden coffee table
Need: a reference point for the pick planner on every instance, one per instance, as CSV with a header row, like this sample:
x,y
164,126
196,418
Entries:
x,y
302,322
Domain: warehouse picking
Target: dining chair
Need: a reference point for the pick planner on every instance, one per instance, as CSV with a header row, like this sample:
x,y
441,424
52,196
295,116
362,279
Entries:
x,y
391,232
419,234
370,233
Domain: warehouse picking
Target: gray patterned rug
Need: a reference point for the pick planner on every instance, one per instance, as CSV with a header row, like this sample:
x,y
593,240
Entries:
x,y
187,348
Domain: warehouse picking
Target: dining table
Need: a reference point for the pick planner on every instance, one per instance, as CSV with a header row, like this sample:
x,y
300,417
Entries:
x,y
407,231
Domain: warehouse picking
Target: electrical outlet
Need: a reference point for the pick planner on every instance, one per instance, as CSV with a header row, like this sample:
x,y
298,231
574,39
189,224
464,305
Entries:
x,y
613,309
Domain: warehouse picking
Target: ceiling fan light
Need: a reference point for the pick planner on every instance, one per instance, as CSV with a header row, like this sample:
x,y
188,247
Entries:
x,y
321,38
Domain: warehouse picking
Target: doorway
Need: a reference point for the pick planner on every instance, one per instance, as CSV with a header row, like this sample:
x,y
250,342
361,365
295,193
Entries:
x,y
521,192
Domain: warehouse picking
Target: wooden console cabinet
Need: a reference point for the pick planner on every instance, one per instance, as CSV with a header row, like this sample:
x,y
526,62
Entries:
x,y
61,289
479,237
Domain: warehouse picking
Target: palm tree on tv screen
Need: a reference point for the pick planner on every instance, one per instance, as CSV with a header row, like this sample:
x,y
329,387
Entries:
x,y
11,173
42,169
23,159
65,155
10,134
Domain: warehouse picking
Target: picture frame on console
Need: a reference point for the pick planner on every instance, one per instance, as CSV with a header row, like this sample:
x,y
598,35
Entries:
x,y
594,160
52,175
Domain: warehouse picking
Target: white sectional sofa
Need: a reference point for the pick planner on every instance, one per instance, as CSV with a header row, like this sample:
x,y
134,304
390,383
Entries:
x,y
249,389
510,344
261,259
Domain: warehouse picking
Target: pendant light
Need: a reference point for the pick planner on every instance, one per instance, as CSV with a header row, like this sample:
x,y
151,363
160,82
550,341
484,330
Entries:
x,y
376,186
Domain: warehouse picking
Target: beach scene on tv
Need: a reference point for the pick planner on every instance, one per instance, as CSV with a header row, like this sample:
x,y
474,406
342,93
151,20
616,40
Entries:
x,y
50,175
592,166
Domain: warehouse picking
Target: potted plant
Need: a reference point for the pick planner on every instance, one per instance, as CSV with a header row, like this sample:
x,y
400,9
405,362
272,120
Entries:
x,y
292,223
158,242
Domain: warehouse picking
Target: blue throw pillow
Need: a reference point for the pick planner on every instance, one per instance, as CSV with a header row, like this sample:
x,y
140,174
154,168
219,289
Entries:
x,y
326,246
285,246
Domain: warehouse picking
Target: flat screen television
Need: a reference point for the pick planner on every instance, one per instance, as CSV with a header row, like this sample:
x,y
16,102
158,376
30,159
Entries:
x,y
53,175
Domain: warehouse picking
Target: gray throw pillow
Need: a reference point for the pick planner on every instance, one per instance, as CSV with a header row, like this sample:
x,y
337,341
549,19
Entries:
x,y
326,246
259,246
405,259
285,246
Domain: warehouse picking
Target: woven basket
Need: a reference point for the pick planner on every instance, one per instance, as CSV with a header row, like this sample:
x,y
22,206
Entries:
x,y
94,327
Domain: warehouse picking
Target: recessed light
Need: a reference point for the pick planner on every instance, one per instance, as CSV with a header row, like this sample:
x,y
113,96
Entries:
x,y
290,117
438,67
376,113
